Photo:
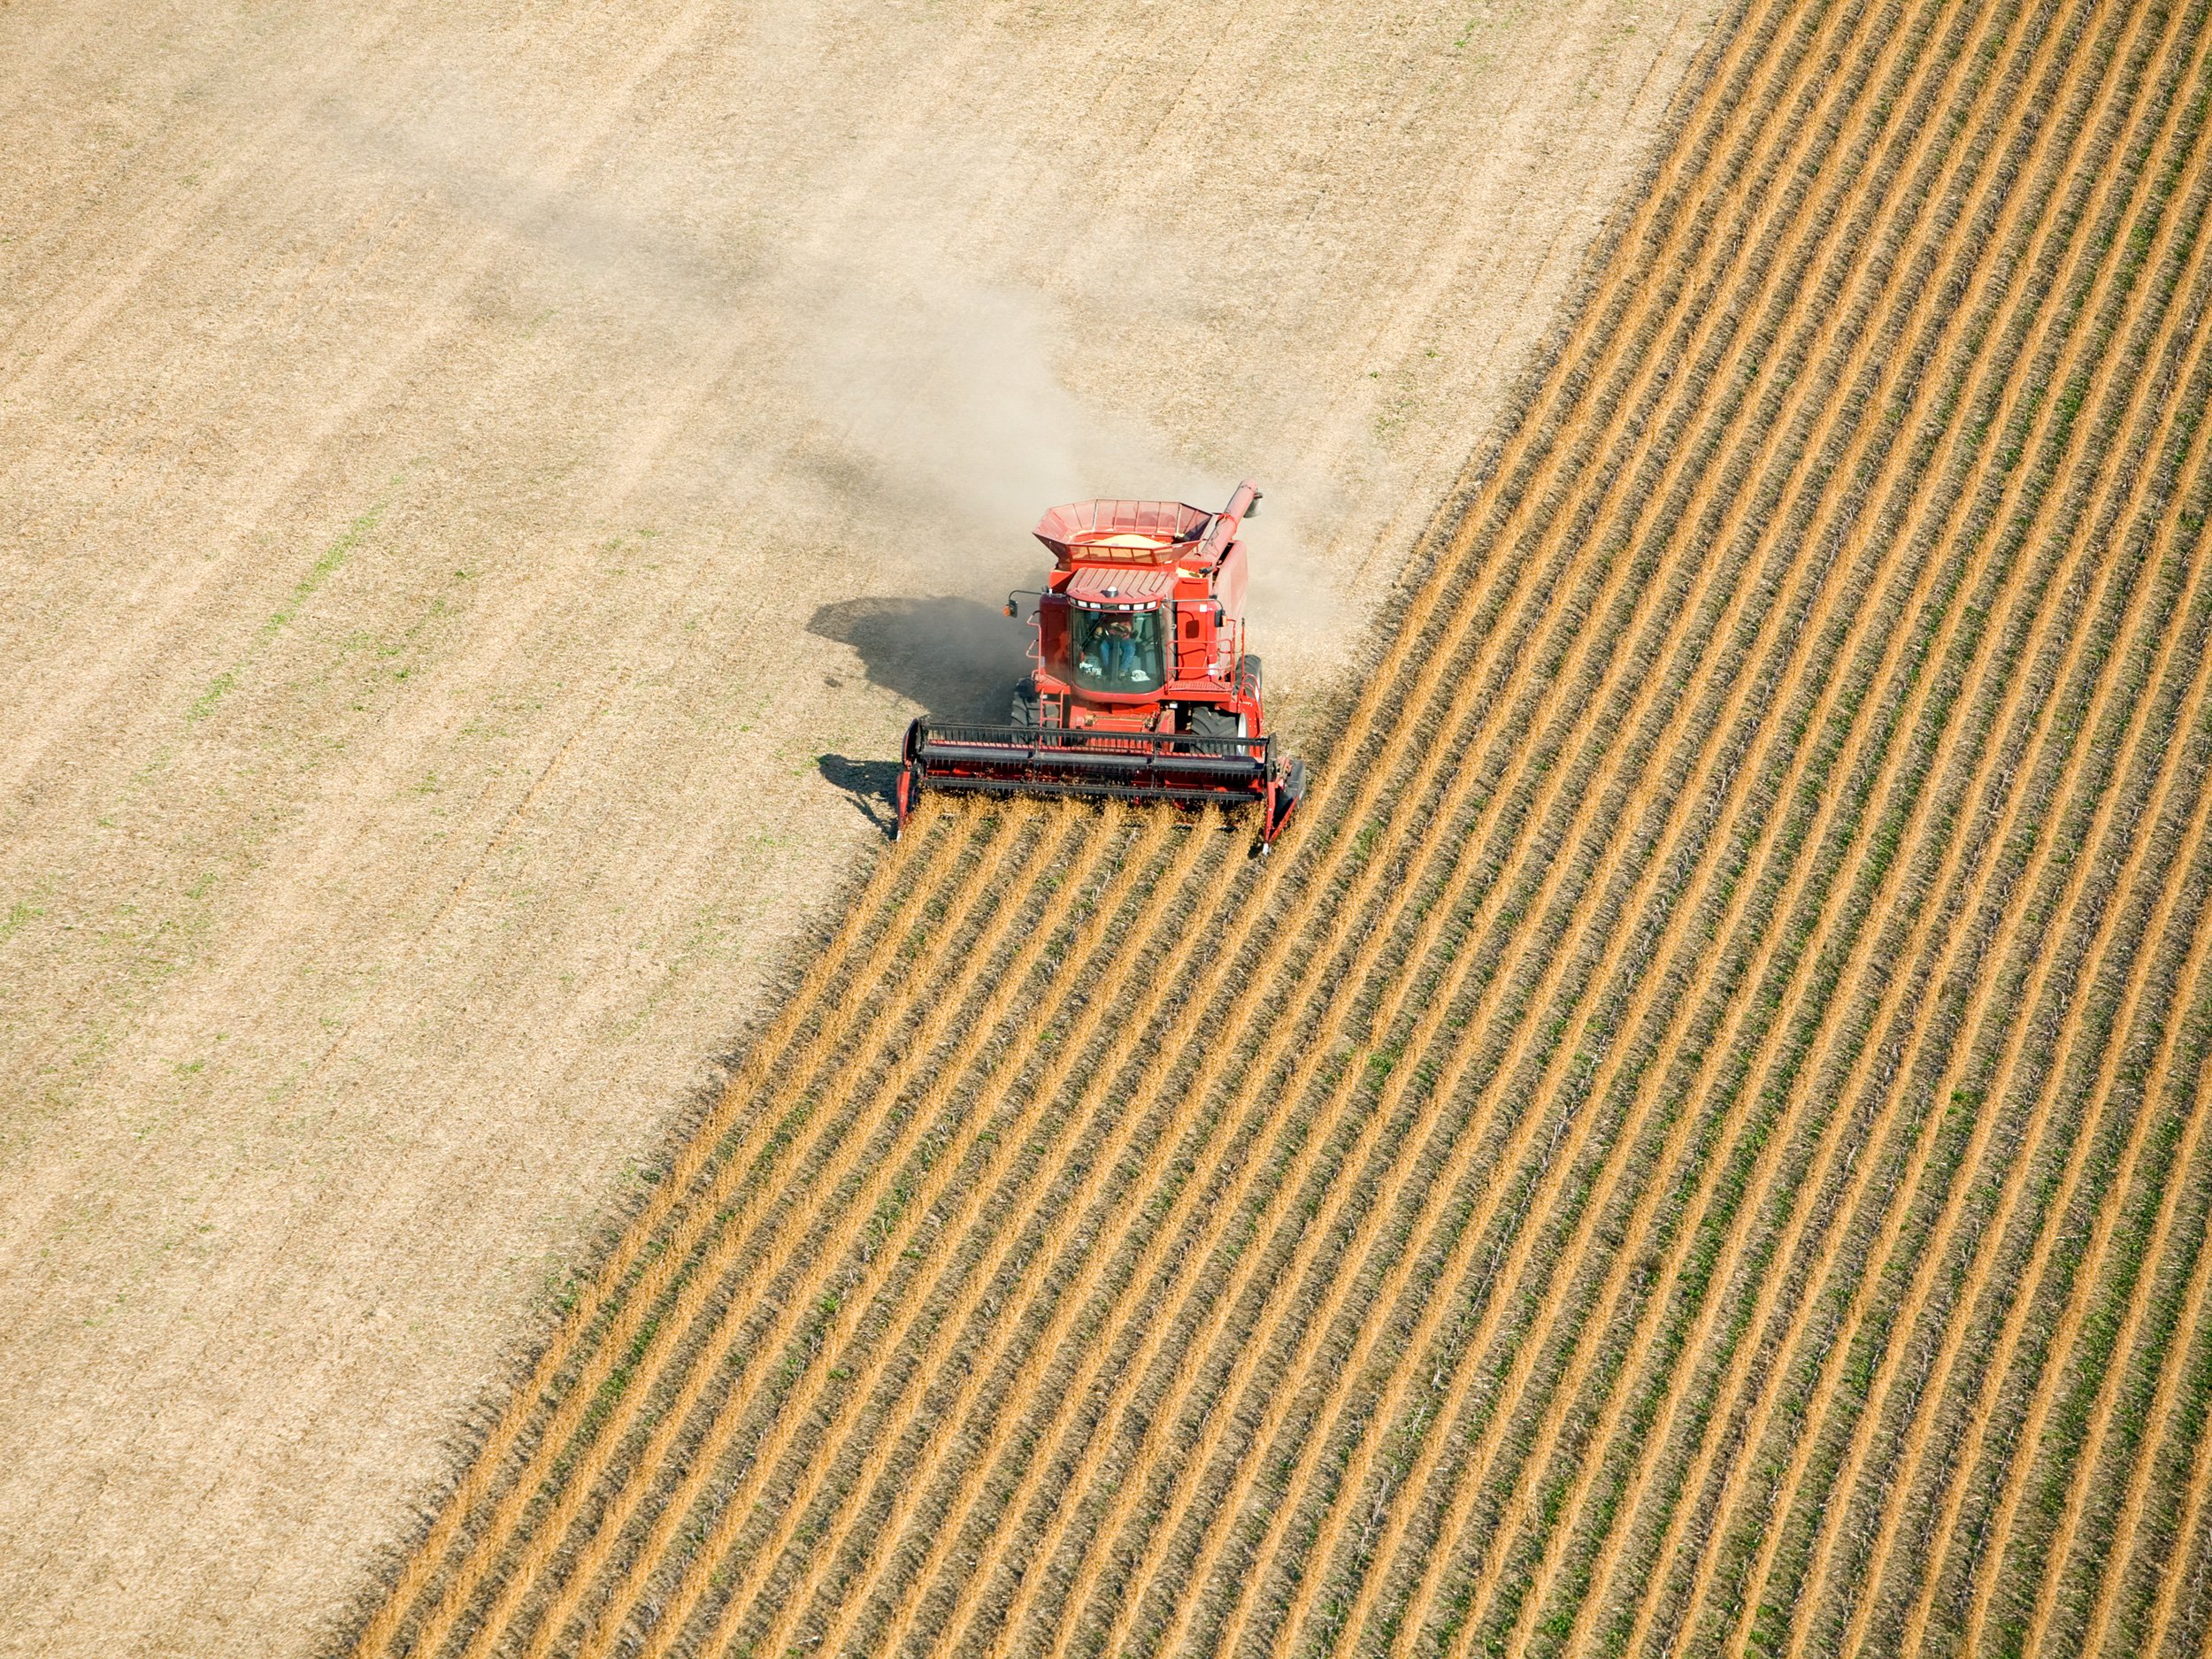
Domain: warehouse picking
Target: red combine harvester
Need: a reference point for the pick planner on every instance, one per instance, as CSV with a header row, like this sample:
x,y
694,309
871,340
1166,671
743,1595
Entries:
x,y
1143,689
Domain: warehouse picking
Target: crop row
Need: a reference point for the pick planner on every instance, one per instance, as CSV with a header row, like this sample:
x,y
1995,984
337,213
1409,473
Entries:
x,y
1691,1141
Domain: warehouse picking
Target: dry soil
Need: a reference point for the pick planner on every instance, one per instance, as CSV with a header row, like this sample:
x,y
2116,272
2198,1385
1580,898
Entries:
x,y
481,488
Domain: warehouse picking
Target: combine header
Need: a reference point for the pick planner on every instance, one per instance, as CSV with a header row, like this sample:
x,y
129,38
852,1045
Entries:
x,y
1143,689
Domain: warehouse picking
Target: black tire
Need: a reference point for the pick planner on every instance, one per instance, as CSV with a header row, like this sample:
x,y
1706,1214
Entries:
x,y
1207,721
1252,672
1023,710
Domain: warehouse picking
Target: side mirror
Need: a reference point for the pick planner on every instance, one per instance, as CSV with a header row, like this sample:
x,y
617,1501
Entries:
x,y
1012,609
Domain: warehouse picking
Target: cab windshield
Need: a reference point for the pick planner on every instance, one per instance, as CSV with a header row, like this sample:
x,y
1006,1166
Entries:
x,y
1115,651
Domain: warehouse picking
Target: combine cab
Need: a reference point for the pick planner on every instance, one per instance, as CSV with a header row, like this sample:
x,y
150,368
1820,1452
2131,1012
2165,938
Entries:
x,y
1143,689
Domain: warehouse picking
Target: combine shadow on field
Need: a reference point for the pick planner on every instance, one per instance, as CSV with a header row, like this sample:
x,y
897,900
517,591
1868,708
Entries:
x,y
958,659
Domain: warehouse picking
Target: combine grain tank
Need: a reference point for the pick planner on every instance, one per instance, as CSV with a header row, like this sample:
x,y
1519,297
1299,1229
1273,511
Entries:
x,y
1143,689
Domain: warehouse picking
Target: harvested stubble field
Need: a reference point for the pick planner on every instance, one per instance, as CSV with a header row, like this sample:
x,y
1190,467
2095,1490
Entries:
x,y
1692,1144
483,485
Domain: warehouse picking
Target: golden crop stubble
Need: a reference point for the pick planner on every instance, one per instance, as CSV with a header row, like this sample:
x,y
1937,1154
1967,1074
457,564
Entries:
x,y
1227,946
1046,859
2059,1342
2072,1165
1378,861
2130,1540
1921,1289
1186,942
1008,983
2195,1487
1439,1000
824,1419
1323,1224
900,874
1467,682
1229,1295
714,1218
1525,488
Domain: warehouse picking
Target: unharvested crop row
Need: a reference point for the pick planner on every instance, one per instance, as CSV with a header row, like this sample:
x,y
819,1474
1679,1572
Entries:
x,y
1648,1193
1960,1293
1976,1120
1740,943
1821,1206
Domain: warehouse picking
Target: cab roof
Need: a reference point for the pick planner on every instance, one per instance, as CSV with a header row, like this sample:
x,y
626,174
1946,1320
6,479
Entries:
x,y
1127,585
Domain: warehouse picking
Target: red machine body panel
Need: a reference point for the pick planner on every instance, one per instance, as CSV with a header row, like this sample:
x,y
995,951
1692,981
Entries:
x,y
1143,689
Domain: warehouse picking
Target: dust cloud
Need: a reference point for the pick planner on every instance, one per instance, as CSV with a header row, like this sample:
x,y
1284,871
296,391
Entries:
x,y
929,407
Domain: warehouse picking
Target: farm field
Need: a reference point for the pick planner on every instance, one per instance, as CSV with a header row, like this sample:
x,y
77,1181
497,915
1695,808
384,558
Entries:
x,y
1693,1143
483,487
